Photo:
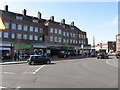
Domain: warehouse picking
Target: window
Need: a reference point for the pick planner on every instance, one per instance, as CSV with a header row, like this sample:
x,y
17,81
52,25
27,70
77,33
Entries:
x,y
51,30
36,37
60,31
19,17
30,37
68,34
41,38
59,39
19,36
41,30
64,33
25,28
12,35
71,41
55,39
13,26
34,20
64,40
67,41
19,27
76,42
36,29
73,34
6,25
24,36
51,38
5,35
55,31
31,28
0,33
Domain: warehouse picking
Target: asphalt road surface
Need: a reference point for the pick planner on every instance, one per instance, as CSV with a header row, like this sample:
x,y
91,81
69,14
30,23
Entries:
x,y
74,73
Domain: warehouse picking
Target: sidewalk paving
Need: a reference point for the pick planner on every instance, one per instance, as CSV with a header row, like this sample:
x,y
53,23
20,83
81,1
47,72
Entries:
x,y
10,61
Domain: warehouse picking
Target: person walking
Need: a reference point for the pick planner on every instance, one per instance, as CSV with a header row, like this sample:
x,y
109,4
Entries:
x,y
15,56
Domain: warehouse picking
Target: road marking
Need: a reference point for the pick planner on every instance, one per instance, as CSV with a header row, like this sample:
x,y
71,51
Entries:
x,y
8,73
2,87
113,64
38,69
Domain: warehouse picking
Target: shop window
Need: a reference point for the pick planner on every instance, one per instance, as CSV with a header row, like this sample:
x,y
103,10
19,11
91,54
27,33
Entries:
x,y
19,27
13,26
5,35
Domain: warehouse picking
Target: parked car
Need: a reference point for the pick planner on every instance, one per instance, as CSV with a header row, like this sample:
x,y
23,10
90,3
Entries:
x,y
102,55
38,59
118,55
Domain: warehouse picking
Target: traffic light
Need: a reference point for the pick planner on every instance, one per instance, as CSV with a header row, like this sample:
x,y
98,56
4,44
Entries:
x,y
2,26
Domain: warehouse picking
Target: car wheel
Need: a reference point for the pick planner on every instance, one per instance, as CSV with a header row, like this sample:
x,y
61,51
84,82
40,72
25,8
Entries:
x,y
97,57
48,62
32,63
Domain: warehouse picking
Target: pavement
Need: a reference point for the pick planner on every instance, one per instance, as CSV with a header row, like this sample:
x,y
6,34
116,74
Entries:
x,y
10,61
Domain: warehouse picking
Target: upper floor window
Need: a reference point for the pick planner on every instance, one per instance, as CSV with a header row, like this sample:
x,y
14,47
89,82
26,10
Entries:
x,y
31,28
36,37
36,29
6,25
19,36
5,35
59,39
0,33
30,37
13,26
19,27
60,31
19,17
70,40
25,28
56,39
34,20
41,38
51,38
51,30
12,35
41,30
73,34
25,36
67,33
56,31
64,33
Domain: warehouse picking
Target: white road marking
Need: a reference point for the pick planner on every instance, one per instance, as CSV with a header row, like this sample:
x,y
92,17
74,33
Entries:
x,y
38,69
113,64
2,87
8,73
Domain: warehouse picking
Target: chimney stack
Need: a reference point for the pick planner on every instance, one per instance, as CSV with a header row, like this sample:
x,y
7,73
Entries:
x,y
72,23
24,12
52,18
39,15
63,21
6,8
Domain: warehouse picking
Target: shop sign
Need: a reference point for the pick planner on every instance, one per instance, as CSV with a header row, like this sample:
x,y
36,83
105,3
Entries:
x,y
23,46
5,44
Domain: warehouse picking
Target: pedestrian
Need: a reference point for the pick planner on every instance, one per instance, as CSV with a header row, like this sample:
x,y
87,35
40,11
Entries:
x,y
15,56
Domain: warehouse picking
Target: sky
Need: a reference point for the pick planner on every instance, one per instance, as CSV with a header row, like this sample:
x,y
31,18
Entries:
x,y
98,19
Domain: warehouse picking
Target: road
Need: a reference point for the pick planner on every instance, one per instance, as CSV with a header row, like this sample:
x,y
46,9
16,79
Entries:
x,y
75,73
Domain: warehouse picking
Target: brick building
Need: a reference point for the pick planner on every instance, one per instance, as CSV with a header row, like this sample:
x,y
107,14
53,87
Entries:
x,y
118,42
29,35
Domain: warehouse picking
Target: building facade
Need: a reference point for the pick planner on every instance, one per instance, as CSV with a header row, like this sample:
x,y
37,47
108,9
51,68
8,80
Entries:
x,y
27,35
118,42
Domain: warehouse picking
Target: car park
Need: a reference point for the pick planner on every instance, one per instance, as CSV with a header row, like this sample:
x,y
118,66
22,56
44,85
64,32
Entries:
x,y
33,59
102,55
118,55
